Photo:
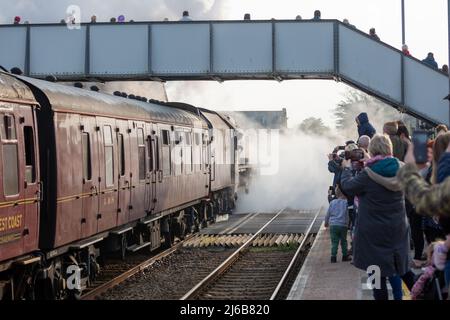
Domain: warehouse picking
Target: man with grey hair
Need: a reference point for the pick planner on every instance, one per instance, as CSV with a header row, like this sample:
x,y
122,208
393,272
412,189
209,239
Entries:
x,y
363,142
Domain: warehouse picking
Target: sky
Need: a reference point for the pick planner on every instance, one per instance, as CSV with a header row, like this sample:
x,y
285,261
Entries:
x,y
426,30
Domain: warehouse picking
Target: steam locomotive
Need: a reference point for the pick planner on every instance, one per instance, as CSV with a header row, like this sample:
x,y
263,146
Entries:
x,y
86,174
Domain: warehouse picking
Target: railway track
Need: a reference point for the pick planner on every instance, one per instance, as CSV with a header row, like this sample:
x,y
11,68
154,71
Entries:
x,y
255,270
116,273
255,273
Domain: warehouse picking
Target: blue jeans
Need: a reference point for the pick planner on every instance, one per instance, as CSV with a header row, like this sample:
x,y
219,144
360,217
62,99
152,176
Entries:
x,y
447,273
396,284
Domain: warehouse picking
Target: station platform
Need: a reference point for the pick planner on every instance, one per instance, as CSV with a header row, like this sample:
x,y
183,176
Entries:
x,y
319,279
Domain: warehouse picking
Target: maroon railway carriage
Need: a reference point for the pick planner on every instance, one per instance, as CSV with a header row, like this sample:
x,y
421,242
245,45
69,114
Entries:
x,y
19,175
116,175
223,158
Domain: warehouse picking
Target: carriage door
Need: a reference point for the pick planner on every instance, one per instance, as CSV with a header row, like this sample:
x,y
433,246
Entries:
x,y
212,152
107,215
12,211
149,194
123,174
153,145
89,143
31,183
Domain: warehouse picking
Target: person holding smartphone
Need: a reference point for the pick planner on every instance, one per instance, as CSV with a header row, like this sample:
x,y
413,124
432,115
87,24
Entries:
x,y
428,199
432,200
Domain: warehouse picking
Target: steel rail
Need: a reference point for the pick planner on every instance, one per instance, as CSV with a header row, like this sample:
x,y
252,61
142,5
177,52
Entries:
x,y
96,291
294,259
224,266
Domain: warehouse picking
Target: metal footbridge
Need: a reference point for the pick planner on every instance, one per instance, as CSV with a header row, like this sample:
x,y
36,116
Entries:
x,y
228,50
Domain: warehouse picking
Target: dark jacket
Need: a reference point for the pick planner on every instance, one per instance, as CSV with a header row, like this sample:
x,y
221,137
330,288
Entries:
x,y
431,62
382,231
428,199
364,127
335,168
375,36
399,147
443,168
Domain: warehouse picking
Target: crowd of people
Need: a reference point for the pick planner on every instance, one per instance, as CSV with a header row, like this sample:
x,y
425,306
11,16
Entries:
x,y
393,206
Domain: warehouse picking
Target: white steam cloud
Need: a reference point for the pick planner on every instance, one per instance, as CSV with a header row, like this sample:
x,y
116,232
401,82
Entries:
x,y
301,181
302,178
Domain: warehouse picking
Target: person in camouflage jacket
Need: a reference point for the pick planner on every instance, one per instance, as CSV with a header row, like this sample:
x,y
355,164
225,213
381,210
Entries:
x,y
428,199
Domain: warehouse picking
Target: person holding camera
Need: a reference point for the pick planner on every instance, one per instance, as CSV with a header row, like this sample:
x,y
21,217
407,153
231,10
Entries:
x,y
336,157
382,231
334,166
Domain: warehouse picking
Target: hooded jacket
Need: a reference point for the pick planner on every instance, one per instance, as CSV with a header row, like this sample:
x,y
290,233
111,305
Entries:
x,y
364,127
431,62
381,230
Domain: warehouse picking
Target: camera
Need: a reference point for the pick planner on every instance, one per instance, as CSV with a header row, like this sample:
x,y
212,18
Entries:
x,y
354,155
338,157
335,150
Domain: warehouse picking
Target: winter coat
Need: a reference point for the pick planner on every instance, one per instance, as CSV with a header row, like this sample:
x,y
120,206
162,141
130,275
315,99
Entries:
x,y
382,231
335,168
431,62
428,199
364,127
399,147
443,168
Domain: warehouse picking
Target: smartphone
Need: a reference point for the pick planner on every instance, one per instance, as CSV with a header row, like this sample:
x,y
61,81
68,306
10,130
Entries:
x,y
419,140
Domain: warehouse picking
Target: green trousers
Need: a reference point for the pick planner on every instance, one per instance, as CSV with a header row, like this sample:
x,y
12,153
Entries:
x,y
338,234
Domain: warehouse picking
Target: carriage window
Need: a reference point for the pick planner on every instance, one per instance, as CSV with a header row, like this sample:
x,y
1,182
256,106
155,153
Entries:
x,y
166,160
150,153
8,127
157,160
178,137
197,138
188,138
108,134
87,169
10,170
30,173
109,156
141,154
165,137
204,151
140,133
10,155
121,155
